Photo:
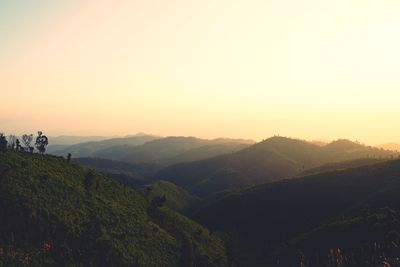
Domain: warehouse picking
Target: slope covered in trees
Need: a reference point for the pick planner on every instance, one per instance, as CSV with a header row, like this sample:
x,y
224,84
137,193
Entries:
x,y
176,197
133,174
274,159
342,165
55,213
353,214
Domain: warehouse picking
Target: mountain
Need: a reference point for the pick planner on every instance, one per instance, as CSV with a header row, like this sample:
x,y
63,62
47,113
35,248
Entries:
x,y
88,149
57,213
273,159
132,174
174,149
352,215
59,143
73,139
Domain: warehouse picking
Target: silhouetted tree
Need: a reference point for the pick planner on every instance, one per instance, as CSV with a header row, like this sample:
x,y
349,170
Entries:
x,y
69,157
41,142
11,141
18,144
3,142
27,140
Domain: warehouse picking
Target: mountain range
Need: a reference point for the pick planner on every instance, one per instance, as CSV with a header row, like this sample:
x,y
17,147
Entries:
x,y
152,149
273,159
87,149
185,201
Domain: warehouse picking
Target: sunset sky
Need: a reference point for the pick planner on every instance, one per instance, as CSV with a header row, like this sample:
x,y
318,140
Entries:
x,y
311,69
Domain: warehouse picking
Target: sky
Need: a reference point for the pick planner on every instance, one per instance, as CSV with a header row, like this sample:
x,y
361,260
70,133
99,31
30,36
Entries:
x,y
312,69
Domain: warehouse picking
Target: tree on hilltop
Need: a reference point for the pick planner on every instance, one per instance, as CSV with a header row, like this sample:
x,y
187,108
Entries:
x,y
41,142
3,142
18,144
27,140
12,139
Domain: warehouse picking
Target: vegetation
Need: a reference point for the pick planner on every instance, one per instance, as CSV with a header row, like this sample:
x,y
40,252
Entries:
x,y
27,139
176,197
303,219
41,142
56,213
273,159
367,239
342,165
3,142
341,207
132,174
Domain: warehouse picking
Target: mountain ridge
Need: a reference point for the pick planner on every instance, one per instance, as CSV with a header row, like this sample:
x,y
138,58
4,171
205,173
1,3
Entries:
x,y
284,212
273,159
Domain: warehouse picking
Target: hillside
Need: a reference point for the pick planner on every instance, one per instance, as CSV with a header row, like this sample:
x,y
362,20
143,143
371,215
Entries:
x,y
88,149
304,218
55,213
133,174
273,159
171,150
341,165
176,197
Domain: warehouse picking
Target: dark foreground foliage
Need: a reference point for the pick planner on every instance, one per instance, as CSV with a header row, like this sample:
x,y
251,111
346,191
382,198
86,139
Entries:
x,y
340,218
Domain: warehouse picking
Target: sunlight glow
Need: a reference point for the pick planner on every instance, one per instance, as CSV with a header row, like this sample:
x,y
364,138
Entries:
x,y
311,69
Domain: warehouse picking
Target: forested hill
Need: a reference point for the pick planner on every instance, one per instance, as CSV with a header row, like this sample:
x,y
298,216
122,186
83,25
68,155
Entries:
x,y
56,213
355,210
273,159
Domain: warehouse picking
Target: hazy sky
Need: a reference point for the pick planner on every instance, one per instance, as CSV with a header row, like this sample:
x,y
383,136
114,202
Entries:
x,y
314,69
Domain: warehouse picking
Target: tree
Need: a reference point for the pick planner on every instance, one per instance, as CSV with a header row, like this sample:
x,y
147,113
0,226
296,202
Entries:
x,y
41,142
3,142
27,140
18,144
12,139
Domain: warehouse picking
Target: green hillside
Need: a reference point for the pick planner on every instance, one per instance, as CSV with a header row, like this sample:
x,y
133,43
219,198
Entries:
x,y
133,174
305,218
55,213
176,197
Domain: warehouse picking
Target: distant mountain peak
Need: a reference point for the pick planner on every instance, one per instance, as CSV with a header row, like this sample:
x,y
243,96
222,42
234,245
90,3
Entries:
x,y
278,138
139,134
344,144
283,140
